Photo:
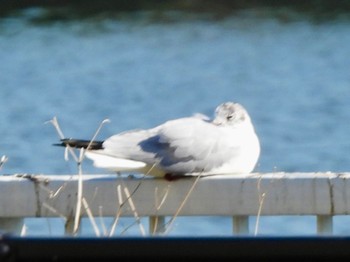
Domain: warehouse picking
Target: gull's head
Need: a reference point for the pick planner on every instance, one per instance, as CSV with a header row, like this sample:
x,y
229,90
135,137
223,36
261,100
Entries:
x,y
230,114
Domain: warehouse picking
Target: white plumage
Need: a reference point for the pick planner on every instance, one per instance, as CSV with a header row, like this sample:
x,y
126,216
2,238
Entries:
x,y
192,145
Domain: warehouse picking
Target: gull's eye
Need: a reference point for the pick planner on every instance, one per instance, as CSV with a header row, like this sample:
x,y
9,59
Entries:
x,y
229,117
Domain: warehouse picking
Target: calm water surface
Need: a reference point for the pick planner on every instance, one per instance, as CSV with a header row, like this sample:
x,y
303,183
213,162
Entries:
x,y
292,76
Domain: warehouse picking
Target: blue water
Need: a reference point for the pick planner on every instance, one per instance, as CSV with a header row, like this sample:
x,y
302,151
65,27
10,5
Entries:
x,y
292,76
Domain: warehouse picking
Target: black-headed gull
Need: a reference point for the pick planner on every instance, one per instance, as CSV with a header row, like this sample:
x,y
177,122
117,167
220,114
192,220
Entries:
x,y
194,145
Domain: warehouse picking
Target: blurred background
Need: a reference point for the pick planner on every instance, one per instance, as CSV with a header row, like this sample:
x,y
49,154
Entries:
x,y
140,63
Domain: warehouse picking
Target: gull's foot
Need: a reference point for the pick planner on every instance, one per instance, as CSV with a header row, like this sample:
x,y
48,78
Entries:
x,y
174,177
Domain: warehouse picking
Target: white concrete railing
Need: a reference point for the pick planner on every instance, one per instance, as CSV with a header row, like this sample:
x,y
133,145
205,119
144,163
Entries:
x,y
239,196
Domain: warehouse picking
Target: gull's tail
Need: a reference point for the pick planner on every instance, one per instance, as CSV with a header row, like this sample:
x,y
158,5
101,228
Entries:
x,y
101,159
80,143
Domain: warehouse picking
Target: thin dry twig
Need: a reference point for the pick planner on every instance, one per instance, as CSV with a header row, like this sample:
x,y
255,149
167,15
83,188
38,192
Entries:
x,y
54,211
55,123
261,202
172,220
100,215
80,181
105,121
165,195
77,217
121,203
3,160
91,217
53,194
262,197
23,232
158,204
133,209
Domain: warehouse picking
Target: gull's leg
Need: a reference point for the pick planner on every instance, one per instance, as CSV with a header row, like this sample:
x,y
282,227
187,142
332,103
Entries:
x,y
173,177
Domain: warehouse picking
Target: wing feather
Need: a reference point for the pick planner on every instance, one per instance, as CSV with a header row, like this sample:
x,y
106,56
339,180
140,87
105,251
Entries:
x,y
184,145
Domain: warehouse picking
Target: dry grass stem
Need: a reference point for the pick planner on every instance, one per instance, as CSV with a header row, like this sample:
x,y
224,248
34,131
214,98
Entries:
x,y
100,215
53,194
23,232
158,205
55,123
261,203
91,217
3,160
121,203
105,121
133,209
171,221
155,224
54,211
77,217
262,196
165,195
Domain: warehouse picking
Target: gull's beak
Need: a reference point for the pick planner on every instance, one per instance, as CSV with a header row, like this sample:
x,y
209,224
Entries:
x,y
217,122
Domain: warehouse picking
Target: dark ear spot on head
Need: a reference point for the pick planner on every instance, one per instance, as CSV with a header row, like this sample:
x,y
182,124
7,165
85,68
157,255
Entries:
x,y
242,117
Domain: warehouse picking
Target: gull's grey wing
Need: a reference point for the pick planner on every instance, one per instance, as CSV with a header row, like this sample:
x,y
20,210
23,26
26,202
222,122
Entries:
x,y
127,145
195,144
179,146
191,145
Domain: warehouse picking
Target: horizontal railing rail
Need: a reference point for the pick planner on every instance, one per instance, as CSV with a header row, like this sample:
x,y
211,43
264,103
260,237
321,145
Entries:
x,y
239,196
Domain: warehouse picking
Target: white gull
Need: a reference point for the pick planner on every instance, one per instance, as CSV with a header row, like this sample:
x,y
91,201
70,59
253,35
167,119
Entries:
x,y
195,145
